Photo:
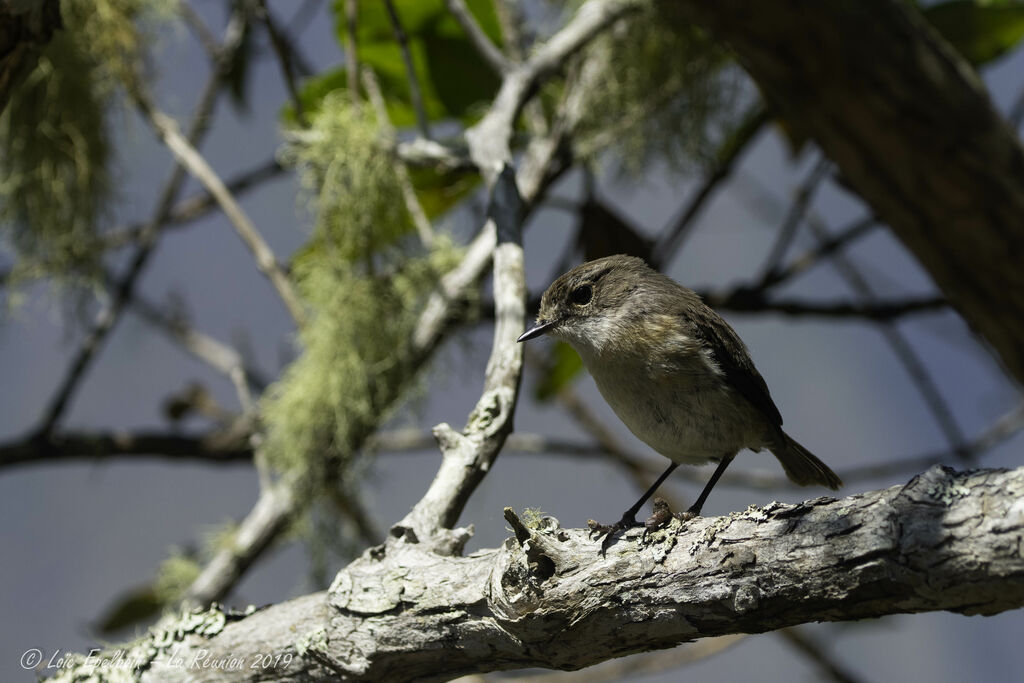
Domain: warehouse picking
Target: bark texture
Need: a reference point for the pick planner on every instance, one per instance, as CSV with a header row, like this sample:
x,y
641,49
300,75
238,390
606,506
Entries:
x,y
945,541
912,130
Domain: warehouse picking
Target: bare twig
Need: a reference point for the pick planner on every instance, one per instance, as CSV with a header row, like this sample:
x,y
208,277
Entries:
x,y
814,255
423,152
488,50
415,94
284,56
203,34
513,28
514,34
412,202
754,301
896,340
198,205
673,235
190,158
796,639
216,354
797,209
352,49
744,299
268,518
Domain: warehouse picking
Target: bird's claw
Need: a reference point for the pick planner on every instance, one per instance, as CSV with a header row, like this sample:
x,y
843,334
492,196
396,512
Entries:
x,y
628,521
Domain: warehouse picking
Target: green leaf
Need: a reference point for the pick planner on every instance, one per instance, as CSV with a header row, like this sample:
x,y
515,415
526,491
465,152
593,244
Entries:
x,y
454,80
980,31
562,367
439,191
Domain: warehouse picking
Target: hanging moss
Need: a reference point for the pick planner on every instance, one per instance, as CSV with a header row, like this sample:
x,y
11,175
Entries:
x,y
348,181
56,184
365,277
665,91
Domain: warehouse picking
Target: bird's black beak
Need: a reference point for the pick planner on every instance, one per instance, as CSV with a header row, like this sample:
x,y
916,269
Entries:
x,y
540,328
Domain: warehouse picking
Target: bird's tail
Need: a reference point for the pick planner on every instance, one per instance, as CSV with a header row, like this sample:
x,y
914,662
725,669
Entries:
x,y
803,467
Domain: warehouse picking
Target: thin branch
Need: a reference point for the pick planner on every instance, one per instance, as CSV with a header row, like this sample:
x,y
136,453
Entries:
x,y
797,209
796,639
816,254
217,447
284,56
216,354
672,236
514,33
423,152
415,94
513,28
198,205
753,301
905,352
190,158
203,34
412,202
488,50
270,516
352,49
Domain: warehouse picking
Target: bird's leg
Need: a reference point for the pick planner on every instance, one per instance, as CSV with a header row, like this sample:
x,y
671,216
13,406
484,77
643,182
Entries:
x,y
628,520
694,510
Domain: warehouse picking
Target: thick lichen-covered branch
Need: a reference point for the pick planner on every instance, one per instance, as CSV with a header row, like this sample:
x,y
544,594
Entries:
x,y
945,541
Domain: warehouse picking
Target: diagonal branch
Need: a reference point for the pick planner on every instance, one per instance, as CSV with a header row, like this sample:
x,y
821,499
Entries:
x,y
415,94
412,202
190,158
198,205
488,50
672,236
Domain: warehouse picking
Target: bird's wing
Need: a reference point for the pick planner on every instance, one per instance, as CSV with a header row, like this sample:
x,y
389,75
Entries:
x,y
729,353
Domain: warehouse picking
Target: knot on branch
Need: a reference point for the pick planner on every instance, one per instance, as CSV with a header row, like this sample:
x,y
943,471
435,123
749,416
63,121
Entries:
x,y
491,414
519,582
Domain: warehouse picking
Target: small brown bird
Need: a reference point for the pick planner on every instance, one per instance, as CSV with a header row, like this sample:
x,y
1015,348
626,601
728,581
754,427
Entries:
x,y
673,371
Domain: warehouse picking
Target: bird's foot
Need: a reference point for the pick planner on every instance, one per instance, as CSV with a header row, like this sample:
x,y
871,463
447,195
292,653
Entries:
x,y
663,514
628,521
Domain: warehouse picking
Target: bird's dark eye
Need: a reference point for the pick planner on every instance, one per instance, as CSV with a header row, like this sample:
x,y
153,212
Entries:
x,y
581,295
